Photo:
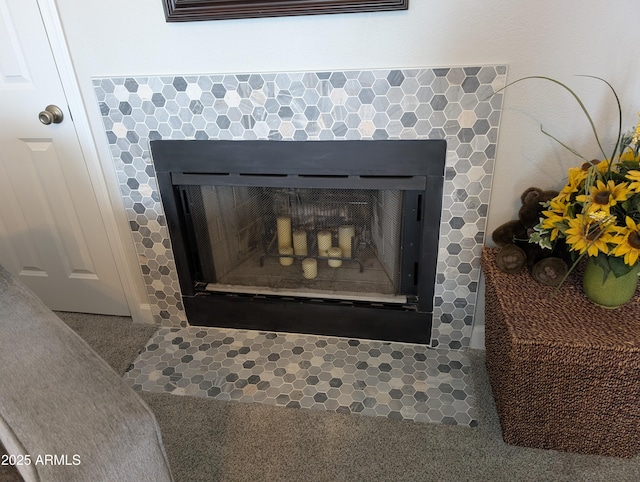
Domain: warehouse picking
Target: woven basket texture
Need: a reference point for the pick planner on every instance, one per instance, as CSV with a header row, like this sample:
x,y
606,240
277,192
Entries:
x,y
565,373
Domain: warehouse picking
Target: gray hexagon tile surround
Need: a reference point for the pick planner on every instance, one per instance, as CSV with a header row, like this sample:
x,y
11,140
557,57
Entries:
x,y
451,103
393,380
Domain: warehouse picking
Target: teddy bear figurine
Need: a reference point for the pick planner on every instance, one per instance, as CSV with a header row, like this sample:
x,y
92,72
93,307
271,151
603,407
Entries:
x,y
547,266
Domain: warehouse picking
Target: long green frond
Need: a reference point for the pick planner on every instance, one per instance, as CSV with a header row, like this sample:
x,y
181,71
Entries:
x,y
575,96
615,94
570,149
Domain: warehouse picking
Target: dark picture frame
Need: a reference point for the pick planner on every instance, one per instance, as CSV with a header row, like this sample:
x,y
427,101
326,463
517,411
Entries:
x,y
195,10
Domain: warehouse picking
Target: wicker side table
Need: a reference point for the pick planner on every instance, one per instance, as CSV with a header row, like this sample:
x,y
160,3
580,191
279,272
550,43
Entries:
x,y
565,373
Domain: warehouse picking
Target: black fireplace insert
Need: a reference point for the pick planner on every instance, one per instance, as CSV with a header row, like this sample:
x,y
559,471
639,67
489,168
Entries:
x,y
321,237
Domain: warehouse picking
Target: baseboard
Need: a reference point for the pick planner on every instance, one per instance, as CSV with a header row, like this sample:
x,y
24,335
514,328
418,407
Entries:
x,y
143,314
477,338
477,333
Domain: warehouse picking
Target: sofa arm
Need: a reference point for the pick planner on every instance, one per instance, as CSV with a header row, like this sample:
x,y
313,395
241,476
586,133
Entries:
x,y
64,411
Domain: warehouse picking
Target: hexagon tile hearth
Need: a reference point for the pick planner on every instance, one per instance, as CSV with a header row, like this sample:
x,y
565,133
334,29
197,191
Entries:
x,y
380,379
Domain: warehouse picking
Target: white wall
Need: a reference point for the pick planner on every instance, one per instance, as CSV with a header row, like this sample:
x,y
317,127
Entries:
x,y
542,37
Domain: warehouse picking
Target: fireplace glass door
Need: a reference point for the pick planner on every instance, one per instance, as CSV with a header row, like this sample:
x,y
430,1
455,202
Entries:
x,y
320,243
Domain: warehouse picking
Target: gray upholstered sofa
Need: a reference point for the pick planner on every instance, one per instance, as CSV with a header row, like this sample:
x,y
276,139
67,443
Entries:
x,y
64,413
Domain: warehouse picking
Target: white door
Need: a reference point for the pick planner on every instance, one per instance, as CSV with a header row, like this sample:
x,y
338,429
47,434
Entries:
x,y
52,235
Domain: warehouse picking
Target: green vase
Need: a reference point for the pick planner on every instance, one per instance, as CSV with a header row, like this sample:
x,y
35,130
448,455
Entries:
x,y
611,292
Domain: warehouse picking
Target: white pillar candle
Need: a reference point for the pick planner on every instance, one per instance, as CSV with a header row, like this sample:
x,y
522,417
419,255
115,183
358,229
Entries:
x,y
324,242
300,242
309,268
345,234
285,260
334,252
284,231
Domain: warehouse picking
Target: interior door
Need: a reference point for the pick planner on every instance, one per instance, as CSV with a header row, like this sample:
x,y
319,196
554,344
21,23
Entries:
x,y
52,235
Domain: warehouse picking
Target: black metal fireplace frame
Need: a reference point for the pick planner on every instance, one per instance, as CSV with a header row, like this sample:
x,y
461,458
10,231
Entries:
x,y
413,166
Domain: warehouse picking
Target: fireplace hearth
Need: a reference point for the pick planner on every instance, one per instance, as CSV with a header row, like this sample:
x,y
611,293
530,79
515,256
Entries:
x,y
321,237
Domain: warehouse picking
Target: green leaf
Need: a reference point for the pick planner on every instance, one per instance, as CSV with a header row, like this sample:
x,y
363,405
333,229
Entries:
x,y
626,166
618,266
540,236
602,260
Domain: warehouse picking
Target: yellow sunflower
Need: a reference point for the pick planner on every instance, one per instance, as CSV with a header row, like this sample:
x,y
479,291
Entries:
x,y
585,234
603,166
628,155
634,176
555,218
629,243
558,205
576,177
603,196
554,222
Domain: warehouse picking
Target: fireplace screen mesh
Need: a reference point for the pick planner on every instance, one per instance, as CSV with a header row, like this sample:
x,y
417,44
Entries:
x,y
332,243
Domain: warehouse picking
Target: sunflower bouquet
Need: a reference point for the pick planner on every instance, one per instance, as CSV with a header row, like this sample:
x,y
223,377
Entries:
x,y
597,212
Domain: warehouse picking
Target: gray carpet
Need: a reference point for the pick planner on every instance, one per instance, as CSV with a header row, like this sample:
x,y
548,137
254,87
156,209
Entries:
x,y
114,338
210,440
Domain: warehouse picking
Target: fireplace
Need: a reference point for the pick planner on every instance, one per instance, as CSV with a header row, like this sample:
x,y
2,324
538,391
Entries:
x,y
453,103
324,237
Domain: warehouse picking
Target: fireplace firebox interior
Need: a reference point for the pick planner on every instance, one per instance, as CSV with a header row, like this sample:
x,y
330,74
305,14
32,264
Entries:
x,y
324,237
